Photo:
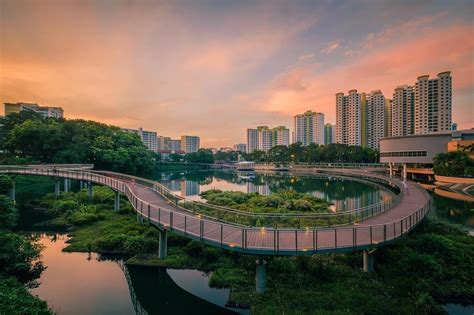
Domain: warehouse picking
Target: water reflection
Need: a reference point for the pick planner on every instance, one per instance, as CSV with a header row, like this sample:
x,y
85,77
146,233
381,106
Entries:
x,y
81,283
342,193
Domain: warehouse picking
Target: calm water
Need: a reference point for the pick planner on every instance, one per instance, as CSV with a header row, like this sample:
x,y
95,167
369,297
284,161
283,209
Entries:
x,y
343,194
79,283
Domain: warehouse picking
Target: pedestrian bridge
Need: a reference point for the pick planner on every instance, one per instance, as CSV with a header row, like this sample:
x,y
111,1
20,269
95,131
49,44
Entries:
x,y
156,204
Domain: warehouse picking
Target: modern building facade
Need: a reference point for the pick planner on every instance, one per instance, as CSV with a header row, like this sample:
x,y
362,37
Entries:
x,y
433,102
240,147
329,133
421,149
375,118
280,136
190,144
175,145
164,144
402,111
349,118
309,128
45,111
252,140
149,138
263,138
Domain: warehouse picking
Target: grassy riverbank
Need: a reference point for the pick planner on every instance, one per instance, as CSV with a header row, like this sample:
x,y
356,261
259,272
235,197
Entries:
x,y
430,267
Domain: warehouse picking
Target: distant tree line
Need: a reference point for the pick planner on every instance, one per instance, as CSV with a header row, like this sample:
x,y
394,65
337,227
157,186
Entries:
x,y
27,137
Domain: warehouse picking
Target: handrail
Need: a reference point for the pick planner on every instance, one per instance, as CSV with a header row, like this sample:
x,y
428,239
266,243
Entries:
x,y
347,217
260,241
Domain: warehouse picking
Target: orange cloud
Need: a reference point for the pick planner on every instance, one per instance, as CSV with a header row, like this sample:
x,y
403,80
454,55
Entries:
x,y
382,67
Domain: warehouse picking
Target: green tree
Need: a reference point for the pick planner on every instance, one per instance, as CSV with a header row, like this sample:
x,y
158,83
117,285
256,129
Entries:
x,y
458,164
8,213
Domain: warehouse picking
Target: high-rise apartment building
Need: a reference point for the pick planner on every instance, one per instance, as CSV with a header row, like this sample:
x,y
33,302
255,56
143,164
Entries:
x,y
329,133
433,101
45,111
264,138
280,136
164,144
252,140
402,111
309,128
190,144
374,121
349,118
149,138
241,147
264,135
175,145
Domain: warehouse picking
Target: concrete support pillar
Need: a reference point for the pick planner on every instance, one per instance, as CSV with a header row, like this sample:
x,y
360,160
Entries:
x,y
404,172
260,276
163,250
57,187
13,191
90,192
117,201
390,165
66,185
81,185
368,261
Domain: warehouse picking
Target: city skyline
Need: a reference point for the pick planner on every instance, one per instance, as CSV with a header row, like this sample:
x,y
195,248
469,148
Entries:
x,y
283,61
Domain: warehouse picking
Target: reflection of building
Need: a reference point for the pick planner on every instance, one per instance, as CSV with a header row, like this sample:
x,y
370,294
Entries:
x,y
189,188
175,185
309,128
149,138
261,189
45,111
190,144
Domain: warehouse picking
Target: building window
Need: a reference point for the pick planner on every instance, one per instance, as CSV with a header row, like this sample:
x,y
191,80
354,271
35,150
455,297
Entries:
x,y
403,153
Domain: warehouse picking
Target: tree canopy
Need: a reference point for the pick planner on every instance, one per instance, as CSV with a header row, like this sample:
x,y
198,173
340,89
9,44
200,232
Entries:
x,y
457,164
50,140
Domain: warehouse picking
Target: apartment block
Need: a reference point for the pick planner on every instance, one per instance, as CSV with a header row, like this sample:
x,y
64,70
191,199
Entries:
x,y
433,103
45,111
190,144
149,138
309,128
349,118
374,120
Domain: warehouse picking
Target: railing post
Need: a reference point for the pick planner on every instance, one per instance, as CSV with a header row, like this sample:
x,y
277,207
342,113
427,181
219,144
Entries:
x,y
385,233
222,233
371,235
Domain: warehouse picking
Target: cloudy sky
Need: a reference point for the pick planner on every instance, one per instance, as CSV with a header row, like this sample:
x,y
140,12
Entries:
x,y
215,68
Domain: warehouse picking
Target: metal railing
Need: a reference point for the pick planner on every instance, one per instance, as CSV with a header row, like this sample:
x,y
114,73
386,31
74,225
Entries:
x,y
260,219
263,241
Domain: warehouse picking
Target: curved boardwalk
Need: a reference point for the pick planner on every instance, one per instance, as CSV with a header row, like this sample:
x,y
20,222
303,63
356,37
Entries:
x,y
151,203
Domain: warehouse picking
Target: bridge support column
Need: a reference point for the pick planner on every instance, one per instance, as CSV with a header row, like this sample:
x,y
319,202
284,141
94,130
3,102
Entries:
x,y
13,191
404,172
390,165
66,185
163,250
260,276
117,201
81,185
368,260
57,187
90,192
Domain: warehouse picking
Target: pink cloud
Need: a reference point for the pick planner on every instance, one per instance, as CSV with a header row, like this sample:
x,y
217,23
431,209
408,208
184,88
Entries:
x,y
384,68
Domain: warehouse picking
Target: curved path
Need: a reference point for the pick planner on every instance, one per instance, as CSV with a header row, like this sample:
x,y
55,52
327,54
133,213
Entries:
x,y
152,204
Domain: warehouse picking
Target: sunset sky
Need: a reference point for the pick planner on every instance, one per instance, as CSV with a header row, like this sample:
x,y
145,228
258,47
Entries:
x,y
215,68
